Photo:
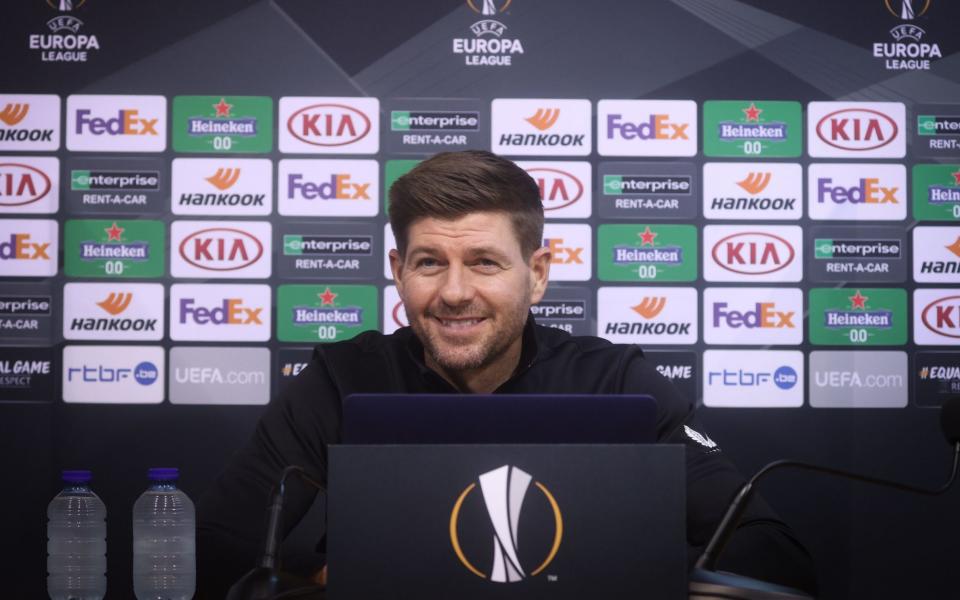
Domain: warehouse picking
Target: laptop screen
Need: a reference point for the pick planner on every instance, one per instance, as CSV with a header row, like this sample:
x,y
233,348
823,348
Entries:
x,y
498,419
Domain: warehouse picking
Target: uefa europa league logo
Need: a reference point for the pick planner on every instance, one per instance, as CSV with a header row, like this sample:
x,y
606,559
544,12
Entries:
x,y
503,492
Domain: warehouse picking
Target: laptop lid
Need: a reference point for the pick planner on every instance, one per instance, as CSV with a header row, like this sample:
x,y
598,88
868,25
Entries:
x,y
498,419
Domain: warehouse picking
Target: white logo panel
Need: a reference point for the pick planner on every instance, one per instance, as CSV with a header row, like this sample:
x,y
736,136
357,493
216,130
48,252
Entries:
x,y
647,315
220,312
394,314
328,188
113,311
565,187
222,186
936,254
763,253
329,125
753,191
116,123
29,122
540,127
571,250
936,317
857,192
753,316
753,378
220,249
29,184
856,129
113,374
646,128
28,247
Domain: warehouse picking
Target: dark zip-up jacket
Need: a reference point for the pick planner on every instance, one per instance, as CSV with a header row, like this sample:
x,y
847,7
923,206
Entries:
x,y
298,425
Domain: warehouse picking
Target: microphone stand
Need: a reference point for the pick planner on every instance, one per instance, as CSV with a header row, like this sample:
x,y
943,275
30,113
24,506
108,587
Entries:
x,y
266,581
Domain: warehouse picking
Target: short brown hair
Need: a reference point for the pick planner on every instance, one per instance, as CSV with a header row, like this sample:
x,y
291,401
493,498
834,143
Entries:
x,y
451,185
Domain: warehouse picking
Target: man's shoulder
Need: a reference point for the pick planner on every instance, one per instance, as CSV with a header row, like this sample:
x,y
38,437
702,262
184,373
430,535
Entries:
x,y
368,342
552,340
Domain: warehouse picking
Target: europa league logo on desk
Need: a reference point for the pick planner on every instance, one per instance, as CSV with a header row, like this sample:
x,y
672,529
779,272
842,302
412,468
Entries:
x,y
503,491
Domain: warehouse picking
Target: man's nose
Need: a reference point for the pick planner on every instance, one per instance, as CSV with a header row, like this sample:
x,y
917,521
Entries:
x,y
457,287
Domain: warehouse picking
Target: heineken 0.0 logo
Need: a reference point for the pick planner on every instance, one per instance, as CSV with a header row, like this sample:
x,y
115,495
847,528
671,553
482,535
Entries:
x,y
114,248
647,252
858,316
223,124
752,128
325,313
936,192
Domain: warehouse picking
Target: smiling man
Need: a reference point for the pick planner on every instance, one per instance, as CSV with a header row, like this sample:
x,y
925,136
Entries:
x,y
469,263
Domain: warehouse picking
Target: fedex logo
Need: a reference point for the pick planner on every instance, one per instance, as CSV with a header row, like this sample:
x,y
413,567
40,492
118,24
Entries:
x,y
328,188
570,247
856,192
647,127
19,247
856,129
220,312
561,255
28,248
753,316
120,123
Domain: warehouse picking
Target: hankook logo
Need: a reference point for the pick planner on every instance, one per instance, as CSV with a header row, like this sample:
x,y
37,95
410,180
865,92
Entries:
x,y
503,492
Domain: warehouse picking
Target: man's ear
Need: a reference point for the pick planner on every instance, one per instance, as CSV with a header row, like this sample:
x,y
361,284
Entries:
x,y
539,264
396,267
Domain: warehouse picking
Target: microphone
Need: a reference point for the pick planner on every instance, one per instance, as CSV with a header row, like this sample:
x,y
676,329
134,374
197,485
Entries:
x,y
707,583
266,581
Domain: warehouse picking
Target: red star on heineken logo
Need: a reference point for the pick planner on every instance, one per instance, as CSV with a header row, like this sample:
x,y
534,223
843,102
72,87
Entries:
x,y
752,112
222,108
327,297
114,232
647,237
858,300
956,177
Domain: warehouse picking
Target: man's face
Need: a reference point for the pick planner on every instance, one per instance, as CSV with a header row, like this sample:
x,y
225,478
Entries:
x,y
467,288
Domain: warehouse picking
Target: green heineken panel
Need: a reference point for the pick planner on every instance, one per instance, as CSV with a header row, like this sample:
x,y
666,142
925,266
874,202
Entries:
x,y
647,253
392,171
936,192
858,316
113,248
325,313
752,128
223,124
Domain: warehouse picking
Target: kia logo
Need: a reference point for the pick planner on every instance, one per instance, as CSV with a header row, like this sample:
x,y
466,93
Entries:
x,y
940,317
753,253
221,249
857,129
328,125
558,189
22,184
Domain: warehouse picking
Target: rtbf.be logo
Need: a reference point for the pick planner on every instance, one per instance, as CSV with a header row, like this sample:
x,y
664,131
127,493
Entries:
x,y
503,491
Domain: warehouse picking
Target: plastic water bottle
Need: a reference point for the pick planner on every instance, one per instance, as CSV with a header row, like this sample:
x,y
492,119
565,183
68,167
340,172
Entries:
x,y
164,540
76,541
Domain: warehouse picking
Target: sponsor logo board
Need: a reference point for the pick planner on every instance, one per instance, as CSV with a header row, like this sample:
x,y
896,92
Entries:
x,y
239,187
647,253
857,192
858,379
434,125
28,247
220,312
566,308
571,251
393,170
29,185
541,126
647,190
679,367
27,374
936,254
752,128
856,130
647,315
753,378
328,188
291,362
113,311
936,377
220,249
113,248
219,375
936,317
753,316
325,313
565,187
936,192
394,313
646,128
874,254
137,186
29,122
329,125
116,123
936,131
113,374
858,316
753,191
766,253
340,251
223,124
26,312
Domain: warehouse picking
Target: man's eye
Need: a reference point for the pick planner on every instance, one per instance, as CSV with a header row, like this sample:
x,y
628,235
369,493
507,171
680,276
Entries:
x,y
427,263
486,263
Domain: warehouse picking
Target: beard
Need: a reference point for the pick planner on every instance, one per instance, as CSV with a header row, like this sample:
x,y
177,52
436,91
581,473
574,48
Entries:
x,y
478,353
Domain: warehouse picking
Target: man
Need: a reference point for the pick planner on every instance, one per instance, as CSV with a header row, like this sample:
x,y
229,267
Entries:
x,y
469,264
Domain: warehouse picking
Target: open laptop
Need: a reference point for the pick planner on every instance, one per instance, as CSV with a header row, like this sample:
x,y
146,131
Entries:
x,y
496,496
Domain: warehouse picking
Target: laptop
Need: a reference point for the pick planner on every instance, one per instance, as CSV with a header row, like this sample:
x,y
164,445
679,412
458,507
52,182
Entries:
x,y
509,497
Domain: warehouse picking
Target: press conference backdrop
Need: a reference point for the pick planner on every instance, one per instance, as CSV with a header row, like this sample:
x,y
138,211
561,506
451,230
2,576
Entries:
x,y
764,195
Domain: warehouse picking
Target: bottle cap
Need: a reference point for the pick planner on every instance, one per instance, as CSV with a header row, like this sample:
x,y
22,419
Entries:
x,y
76,476
163,474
